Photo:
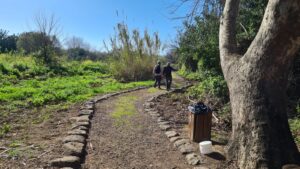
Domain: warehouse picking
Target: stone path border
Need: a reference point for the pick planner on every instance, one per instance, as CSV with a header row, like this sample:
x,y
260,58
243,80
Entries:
x,y
184,145
74,144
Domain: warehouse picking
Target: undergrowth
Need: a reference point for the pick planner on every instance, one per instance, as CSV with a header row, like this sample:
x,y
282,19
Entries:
x,y
27,85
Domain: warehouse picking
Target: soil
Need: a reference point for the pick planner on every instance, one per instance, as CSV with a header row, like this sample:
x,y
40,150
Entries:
x,y
136,144
31,145
173,108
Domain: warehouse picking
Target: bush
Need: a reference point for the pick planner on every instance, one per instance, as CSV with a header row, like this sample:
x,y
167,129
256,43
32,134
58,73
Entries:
x,y
295,128
212,89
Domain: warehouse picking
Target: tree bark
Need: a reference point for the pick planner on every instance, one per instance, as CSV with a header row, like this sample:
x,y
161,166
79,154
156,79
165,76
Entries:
x,y
257,83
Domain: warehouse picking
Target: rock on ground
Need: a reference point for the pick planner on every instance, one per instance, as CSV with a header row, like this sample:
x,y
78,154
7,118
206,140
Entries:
x,y
186,148
77,132
171,134
193,159
73,148
74,138
66,161
173,139
181,142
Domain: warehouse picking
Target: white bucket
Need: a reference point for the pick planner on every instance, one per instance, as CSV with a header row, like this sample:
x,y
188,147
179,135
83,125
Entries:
x,y
205,147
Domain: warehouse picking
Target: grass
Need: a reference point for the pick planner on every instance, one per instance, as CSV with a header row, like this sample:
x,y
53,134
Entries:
x,y
4,128
28,86
124,108
153,90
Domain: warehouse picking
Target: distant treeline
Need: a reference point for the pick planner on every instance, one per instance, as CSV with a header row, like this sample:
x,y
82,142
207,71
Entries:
x,y
32,42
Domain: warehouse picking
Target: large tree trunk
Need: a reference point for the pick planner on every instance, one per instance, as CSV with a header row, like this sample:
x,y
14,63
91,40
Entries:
x,y
257,83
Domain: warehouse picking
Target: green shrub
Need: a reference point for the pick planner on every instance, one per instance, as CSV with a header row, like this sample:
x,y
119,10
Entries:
x,y
21,67
295,128
3,69
212,88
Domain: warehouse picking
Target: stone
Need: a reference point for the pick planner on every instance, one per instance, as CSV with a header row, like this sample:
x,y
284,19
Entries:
x,y
160,119
152,99
84,118
201,167
89,102
171,134
154,113
173,139
164,127
148,110
66,161
80,127
66,168
186,148
193,159
164,123
73,119
73,148
77,132
87,106
149,105
86,112
181,142
74,138
85,124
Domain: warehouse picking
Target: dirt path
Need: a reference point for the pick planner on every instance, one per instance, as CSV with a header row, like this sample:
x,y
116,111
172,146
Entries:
x,y
124,137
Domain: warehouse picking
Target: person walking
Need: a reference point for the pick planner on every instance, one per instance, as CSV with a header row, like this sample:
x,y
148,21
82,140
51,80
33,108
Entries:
x,y
167,72
157,74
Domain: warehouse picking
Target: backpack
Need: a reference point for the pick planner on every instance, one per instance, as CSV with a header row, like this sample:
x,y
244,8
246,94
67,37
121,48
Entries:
x,y
157,69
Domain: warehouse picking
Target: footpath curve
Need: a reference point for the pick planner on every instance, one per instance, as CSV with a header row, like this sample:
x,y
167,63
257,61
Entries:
x,y
116,132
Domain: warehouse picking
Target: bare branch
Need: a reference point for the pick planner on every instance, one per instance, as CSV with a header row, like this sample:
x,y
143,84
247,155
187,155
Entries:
x,y
245,30
195,7
47,25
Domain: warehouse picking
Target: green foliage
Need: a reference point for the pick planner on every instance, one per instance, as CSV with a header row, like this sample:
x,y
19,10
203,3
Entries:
x,y
44,48
198,51
152,90
60,89
248,22
4,128
15,67
133,56
29,42
198,43
37,86
8,43
212,89
79,53
295,128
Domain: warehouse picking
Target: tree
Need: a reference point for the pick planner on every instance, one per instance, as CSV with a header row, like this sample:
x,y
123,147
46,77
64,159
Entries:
x,y
257,82
48,28
77,42
30,42
7,42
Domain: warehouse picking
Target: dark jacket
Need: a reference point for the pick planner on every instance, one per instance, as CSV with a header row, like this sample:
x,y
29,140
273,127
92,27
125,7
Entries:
x,y
167,71
157,70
